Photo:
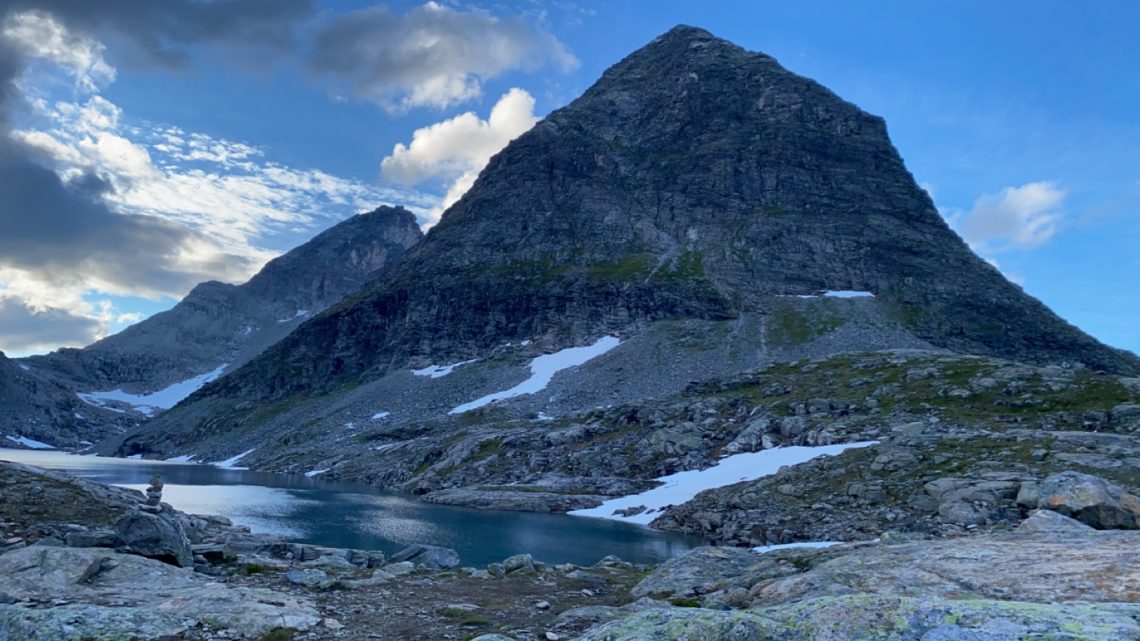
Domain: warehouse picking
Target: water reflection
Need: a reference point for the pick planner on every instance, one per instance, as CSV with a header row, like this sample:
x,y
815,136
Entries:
x,y
343,515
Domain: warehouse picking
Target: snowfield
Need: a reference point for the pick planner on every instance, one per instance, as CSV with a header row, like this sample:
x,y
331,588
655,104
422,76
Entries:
x,y
30,443
148,404
543,369
681,487
231,463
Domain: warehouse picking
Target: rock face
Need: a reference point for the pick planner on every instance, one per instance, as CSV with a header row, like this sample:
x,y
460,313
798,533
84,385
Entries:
x,y
220,324
694,182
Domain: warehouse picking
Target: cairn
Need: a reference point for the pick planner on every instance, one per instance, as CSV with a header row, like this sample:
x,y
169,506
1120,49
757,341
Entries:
x,y
153,501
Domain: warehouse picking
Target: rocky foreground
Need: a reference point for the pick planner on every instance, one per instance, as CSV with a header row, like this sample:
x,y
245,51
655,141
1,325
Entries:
x,y
79,560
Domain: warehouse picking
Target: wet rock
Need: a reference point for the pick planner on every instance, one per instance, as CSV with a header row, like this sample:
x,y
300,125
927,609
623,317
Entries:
x,y
430,556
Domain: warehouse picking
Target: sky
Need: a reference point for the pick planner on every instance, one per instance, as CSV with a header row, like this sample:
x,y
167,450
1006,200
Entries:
x,y
148,146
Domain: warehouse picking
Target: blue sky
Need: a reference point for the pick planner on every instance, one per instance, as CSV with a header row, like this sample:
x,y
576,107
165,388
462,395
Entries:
x,y
1019,117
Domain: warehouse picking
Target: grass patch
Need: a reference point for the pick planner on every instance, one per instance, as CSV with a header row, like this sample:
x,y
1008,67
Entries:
x,y
631,268
685,602
279,634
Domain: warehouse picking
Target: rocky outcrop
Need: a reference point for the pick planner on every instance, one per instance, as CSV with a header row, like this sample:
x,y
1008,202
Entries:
x,y
694,182
998,588
52,593
430,556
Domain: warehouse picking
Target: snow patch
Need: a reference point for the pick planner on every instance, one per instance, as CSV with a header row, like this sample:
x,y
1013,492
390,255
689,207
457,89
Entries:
x,y
802,544
681,487
838,293
185,458
25,367
148,404
543,416
438,371
231,463
381,415
300,313
543,369
135,457
79,417
30,443
316,472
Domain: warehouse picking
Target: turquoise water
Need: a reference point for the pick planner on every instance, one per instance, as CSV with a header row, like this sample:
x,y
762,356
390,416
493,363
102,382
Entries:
x,y
341,515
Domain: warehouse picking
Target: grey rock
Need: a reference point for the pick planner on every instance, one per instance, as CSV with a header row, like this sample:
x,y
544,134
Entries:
x,y
158,536
1050,521
430,556
697,571
523,563
99,538
1091,500
310,578
127,596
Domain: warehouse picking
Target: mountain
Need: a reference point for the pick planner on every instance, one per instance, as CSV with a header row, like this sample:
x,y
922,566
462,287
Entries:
x,y
151,365
707,208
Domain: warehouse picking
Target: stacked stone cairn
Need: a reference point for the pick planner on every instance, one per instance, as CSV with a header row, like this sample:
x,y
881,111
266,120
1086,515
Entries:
x,y
153,501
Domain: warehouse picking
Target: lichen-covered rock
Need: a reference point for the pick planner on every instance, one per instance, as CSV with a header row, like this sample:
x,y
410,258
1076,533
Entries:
x,y
698,571
883,618
106,596
1091,500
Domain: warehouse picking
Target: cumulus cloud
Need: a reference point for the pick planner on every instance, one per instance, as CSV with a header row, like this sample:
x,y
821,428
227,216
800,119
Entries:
x,y
1024,216
430,56
457,149
93,207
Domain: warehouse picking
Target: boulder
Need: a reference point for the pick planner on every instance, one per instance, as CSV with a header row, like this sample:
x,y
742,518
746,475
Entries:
x,y
697,571
430,556
310,578
1050,521
158,536
519,563
1091,500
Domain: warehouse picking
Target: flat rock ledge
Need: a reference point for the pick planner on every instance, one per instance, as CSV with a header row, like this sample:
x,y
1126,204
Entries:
x,y
51,593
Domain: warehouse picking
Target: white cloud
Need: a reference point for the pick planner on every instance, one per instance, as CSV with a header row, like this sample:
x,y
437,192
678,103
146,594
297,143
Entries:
x,y
1024,216
38,35
457,149
430,56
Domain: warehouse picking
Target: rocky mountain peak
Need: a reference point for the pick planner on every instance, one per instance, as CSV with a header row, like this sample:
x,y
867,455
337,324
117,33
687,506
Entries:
x,y
695,183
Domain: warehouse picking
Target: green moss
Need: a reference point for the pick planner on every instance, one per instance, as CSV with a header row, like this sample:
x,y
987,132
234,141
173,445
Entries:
x,y
279,634
789,325
633,267
683,602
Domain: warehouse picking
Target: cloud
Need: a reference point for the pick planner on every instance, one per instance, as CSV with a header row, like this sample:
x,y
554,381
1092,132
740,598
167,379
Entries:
x,y
457,149
92,206
160,32
1024,216
429,56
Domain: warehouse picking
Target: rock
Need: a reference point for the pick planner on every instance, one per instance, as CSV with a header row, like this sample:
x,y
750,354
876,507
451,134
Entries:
x,y
100,538
310,578
332,624
158,536
693,572
863,616
519,563
120,596
1027,495
492,637
542,605
1091,500
1038,567
397,569
430,556
1050,521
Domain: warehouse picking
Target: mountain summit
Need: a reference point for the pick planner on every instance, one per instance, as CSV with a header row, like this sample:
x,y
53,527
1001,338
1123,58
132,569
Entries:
x,y
695,182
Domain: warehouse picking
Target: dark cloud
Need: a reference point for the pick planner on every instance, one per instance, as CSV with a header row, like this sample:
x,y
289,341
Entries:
x,y
162,29
432,55
24,329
